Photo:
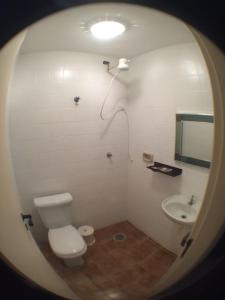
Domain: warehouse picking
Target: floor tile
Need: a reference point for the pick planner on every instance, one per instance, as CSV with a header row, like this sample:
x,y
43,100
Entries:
x,y
115,270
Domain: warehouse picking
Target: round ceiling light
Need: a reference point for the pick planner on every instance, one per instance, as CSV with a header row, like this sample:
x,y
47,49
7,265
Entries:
x,y
106,30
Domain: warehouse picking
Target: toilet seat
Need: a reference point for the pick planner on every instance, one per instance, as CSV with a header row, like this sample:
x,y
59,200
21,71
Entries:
x,y
66,242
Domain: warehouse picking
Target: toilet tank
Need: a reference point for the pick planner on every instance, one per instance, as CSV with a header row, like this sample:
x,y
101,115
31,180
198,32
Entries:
x,y
54,210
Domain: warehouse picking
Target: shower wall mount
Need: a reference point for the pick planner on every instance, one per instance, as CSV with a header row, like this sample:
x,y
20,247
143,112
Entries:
x,y
122,65
109,155
107,63
76,100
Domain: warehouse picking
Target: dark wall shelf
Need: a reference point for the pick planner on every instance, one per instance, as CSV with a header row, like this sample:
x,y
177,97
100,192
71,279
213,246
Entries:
x,y
165,169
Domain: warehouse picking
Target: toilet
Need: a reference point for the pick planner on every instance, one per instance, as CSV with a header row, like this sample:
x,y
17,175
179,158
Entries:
x,y
65,240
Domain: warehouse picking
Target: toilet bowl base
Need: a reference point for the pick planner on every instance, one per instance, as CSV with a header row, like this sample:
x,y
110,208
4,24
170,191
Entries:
x,y
73,262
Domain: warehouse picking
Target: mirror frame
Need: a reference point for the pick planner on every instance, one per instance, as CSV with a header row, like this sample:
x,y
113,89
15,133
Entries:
x,y
178,140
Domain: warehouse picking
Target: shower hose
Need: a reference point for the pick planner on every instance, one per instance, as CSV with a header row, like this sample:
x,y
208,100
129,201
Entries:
x,y
115,113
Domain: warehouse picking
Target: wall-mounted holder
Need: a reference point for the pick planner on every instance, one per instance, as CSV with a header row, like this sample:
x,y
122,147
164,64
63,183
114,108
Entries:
x,y
165,169
76,100
107,63
27,219
109,155
147,157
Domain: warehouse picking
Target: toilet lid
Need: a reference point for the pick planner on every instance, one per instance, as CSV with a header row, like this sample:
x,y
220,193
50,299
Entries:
x,y
66,241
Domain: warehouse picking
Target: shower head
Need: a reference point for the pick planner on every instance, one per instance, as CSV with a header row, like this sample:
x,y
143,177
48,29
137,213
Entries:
x,y
123,64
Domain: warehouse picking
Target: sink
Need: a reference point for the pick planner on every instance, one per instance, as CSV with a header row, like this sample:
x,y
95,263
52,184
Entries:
x,y
178,210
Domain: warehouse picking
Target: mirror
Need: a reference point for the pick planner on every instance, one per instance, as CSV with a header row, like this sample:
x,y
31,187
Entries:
x,y
194,139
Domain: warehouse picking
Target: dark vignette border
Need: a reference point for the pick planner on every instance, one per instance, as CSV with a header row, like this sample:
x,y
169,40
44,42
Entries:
x,y
207,279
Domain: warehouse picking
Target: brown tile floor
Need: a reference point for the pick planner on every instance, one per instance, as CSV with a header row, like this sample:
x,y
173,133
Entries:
x,y
115,270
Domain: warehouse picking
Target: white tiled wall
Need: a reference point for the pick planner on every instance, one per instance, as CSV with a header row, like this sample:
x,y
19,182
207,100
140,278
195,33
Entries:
x,y
163,82
58,146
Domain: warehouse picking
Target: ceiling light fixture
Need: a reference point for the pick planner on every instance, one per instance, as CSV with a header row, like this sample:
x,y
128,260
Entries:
x,y
106,30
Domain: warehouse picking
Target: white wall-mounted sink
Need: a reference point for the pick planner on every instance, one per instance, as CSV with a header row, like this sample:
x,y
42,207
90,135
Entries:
x,y
178,210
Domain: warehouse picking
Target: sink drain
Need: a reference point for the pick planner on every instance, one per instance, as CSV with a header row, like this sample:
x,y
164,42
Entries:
x,y
183,216
119,236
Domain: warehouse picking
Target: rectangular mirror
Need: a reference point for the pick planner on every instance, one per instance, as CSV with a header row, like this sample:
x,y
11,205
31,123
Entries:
x,y
194,139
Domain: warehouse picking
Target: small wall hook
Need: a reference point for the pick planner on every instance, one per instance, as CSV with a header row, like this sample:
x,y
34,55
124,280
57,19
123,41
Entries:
x,y
109,154
76,99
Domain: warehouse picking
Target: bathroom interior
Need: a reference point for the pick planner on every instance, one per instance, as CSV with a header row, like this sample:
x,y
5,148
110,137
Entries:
x,y
110,125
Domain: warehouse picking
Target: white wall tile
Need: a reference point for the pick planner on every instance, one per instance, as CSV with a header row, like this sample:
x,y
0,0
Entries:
x,y
163,82
58,146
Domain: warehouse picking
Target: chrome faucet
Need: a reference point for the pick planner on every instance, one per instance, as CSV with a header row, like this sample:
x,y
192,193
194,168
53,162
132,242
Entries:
x,y
192,200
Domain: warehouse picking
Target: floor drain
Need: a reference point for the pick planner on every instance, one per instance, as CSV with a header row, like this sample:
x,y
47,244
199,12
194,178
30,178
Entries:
x,y
119,236
183,216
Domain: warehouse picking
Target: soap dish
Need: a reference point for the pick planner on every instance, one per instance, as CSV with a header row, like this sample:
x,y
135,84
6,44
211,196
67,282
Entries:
x,y
165,169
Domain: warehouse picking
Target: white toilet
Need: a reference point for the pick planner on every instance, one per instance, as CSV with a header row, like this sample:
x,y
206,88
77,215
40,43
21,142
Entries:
x,y
64,239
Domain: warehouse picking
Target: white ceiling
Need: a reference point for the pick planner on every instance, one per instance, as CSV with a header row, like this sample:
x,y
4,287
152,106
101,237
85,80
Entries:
x,y
62,31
